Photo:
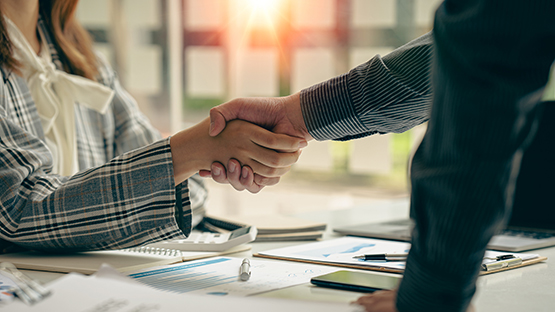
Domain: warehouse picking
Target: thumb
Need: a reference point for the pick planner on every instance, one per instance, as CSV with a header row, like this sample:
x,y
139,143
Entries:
x,y
217,122
221,114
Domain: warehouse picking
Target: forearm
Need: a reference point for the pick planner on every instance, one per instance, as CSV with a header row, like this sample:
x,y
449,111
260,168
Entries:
x,y
389,94
127,202
463,174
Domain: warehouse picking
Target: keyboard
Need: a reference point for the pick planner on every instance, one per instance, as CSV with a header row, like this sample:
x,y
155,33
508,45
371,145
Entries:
x,y
527,234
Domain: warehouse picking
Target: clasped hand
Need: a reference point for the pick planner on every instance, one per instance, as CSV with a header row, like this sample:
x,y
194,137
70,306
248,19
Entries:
x,y
280,115
252,148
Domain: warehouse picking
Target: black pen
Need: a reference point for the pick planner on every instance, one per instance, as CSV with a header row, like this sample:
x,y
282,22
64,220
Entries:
x,y
383,257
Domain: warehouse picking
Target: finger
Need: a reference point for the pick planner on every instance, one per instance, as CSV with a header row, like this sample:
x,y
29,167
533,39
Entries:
x,y
279,142
367,299
273,158
205,173
218,173
266,171
247,176
247,179
234,174
265,181
255,188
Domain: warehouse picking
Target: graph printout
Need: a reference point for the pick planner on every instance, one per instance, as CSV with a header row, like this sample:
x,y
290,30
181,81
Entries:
x,y
342,250
220,276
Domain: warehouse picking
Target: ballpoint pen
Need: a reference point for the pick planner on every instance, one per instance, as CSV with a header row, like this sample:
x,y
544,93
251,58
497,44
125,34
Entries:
x,y
245,270
383,257
505,261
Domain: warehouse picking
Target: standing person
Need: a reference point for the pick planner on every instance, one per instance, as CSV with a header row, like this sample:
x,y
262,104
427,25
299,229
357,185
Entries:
x,y
490,64
80,167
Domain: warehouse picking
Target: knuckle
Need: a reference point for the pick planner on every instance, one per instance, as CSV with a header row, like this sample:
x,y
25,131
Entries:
x,y
271,140
276,159
273,172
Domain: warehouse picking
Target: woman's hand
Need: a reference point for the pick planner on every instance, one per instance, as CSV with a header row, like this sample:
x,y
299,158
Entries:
x,y
193,150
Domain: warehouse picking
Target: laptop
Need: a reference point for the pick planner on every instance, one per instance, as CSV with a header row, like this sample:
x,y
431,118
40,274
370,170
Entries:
x,y
512,239
532,222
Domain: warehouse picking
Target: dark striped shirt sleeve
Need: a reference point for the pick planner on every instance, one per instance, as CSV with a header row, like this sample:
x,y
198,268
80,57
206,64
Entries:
x,y
488,77
384,95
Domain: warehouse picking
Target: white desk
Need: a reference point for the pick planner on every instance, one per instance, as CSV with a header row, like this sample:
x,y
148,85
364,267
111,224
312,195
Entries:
x,y
525,289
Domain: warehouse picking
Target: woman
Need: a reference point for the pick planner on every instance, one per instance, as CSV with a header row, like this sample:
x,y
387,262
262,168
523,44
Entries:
x,y
80,167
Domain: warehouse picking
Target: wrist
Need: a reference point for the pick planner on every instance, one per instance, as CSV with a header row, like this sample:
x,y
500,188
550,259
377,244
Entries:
x,y
293,112
186,151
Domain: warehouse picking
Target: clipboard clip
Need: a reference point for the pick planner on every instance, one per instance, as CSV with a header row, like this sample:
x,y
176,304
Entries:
x,y
501,262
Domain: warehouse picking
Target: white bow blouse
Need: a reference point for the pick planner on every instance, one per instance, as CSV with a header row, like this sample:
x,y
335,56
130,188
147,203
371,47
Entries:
x,y
55,93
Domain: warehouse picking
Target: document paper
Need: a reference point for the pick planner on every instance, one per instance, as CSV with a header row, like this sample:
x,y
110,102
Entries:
x,y
78,293
220,276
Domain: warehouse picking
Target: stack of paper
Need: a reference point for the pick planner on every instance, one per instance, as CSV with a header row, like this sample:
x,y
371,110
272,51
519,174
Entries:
x,y
270,227
108,291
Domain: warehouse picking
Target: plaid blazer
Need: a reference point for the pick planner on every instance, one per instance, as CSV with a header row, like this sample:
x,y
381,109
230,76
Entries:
x,y
124,194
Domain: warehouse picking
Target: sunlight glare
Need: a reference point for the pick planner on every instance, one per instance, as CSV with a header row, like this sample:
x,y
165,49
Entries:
x,y
263,13
264,5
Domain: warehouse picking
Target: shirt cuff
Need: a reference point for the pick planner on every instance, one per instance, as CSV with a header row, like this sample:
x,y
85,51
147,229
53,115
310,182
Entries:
x,y
328,111
183,211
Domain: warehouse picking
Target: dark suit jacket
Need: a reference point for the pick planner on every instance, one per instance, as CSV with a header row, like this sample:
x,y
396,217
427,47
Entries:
x,y
491,60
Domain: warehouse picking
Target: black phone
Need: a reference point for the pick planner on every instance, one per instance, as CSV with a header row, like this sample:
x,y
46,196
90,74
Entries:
x,y
357,281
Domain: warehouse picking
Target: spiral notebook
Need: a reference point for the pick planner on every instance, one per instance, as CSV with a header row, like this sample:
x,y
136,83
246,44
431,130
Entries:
x,y
122,260
270,227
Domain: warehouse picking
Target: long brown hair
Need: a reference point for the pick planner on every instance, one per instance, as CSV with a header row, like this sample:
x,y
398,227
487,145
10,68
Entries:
x,y
73,42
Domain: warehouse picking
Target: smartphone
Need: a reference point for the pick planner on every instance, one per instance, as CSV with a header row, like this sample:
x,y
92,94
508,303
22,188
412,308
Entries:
x,y
357,281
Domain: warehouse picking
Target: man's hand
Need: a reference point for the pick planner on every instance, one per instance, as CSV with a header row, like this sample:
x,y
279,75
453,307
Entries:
x,y
240,178
379,301
384,301
280,115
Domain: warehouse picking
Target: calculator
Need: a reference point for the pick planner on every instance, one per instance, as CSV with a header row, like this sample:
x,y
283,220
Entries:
x,y
206,241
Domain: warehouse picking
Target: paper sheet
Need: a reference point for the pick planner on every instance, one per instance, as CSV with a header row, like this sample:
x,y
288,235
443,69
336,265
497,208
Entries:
x,y
220,276
5,284
78,293
342,250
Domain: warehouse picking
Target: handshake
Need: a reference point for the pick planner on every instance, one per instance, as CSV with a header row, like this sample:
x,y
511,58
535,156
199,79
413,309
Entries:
x,y
250,143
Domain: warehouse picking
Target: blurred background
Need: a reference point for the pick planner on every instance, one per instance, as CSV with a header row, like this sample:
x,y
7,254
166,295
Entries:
x,y
179,58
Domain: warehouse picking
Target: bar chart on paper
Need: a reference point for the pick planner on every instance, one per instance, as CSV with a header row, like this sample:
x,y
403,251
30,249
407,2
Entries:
x,y
220,276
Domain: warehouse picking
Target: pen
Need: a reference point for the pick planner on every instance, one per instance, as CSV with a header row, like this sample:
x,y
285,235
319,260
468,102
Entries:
x,y
245,270
505,263
383,257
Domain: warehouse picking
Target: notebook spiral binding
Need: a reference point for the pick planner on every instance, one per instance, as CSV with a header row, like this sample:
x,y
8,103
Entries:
x,y
155,251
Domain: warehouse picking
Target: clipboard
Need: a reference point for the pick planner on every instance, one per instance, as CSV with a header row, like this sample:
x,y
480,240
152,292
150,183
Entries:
x,y
339,252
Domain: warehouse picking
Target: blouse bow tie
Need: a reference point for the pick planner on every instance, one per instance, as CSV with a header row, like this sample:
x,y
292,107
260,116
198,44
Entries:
x,y
55,94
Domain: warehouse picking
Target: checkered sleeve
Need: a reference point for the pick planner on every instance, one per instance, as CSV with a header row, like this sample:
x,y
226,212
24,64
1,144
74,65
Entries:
x,y
126,202
134,130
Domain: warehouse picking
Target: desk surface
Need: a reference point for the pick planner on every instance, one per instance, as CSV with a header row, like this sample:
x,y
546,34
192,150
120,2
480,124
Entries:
x,y
524,289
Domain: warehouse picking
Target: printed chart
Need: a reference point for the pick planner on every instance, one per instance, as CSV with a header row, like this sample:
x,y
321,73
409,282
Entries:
x,y
220,276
